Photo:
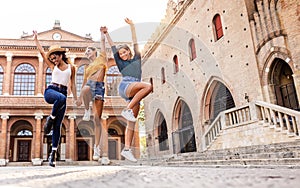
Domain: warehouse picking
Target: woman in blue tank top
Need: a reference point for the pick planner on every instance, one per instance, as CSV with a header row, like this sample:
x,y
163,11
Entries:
x,y
131,88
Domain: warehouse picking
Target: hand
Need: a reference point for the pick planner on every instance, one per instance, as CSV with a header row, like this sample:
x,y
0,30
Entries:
x,y
34,34
103,29
127,20
78,102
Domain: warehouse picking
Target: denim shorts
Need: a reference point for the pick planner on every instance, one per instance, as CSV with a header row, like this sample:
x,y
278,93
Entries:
x,y
126,81
97,89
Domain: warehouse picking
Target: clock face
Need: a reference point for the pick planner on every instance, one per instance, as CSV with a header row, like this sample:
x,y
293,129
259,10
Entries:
x,y
56,36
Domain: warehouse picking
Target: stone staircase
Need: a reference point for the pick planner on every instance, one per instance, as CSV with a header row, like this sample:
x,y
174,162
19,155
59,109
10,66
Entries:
x,y
257,134
282,154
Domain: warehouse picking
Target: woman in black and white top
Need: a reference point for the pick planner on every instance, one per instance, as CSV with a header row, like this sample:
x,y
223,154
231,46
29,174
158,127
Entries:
x,y
63,74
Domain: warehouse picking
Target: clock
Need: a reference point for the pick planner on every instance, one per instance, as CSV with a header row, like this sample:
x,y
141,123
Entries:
x,y
56,36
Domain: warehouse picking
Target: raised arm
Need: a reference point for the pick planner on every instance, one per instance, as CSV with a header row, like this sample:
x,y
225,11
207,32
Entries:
x,y
41,50
132,28
103,50
109,40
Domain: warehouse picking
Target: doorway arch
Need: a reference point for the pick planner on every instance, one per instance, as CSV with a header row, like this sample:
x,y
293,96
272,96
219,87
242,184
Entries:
x,y
217,99
21,136
183,137
281,80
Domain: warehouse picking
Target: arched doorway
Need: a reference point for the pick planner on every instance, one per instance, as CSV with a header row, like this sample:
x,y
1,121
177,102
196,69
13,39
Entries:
x,y
218,99
21,141
184,137
85,139
162,132
116,140
281,78
61,150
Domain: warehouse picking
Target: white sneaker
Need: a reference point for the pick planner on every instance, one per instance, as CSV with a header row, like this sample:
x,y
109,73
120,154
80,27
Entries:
x,y
128,155
105,161
128,114
87,114
96,154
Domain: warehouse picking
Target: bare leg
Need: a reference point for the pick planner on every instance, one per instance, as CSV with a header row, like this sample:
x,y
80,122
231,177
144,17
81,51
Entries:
x,y
138,90
104,139
129,132
86,96
98,107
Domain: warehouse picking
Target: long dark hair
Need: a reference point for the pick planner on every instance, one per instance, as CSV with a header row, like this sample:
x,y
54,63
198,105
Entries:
x,y
64,57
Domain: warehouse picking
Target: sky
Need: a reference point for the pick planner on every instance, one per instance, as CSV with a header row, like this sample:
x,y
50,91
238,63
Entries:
x,y
78,17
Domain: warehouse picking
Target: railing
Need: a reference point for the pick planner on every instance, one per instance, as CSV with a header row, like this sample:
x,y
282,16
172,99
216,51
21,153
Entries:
x,y
226,119
237,116
280,118
212,132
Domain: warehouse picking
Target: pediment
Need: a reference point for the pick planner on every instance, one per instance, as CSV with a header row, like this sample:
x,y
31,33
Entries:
x,y
58,34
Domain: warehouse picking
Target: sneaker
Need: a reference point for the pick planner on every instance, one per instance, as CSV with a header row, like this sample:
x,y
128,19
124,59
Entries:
x,y
87,114
48,125
128,114
128,155
96,154
105,161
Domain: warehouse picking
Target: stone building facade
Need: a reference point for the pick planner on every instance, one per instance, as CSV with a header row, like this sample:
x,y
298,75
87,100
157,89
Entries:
x,y
225,74
23,110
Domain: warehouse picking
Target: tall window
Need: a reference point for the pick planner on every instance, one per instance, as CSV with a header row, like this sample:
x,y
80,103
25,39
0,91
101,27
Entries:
x,y
48,76
163,76
218,30
79,78
192,49
175,61
1,80
24,80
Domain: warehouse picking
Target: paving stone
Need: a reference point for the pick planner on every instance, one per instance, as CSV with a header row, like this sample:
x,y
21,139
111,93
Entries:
x,y
148,176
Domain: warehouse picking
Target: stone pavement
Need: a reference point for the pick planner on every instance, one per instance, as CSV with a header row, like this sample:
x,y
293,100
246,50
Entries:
x,y
127,176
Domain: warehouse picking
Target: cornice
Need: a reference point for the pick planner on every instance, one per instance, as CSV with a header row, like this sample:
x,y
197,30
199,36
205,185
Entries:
x,y
166,30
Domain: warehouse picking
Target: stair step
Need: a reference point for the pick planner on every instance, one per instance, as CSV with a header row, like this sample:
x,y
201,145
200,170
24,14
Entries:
x,y
234,162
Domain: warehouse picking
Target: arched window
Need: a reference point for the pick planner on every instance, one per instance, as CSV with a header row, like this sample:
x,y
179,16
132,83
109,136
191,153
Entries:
x,y
1,79
218,30
79,78
82,132
24,132
175,61
163,76
192,50
112,132
24,80
151,82
48,76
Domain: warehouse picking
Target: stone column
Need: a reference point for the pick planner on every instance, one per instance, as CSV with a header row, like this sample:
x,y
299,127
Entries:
x,y
38,141
7,75
71,137
3,138
40,76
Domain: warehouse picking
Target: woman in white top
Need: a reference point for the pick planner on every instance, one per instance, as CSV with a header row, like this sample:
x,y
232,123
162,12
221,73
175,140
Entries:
x,y
63,73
